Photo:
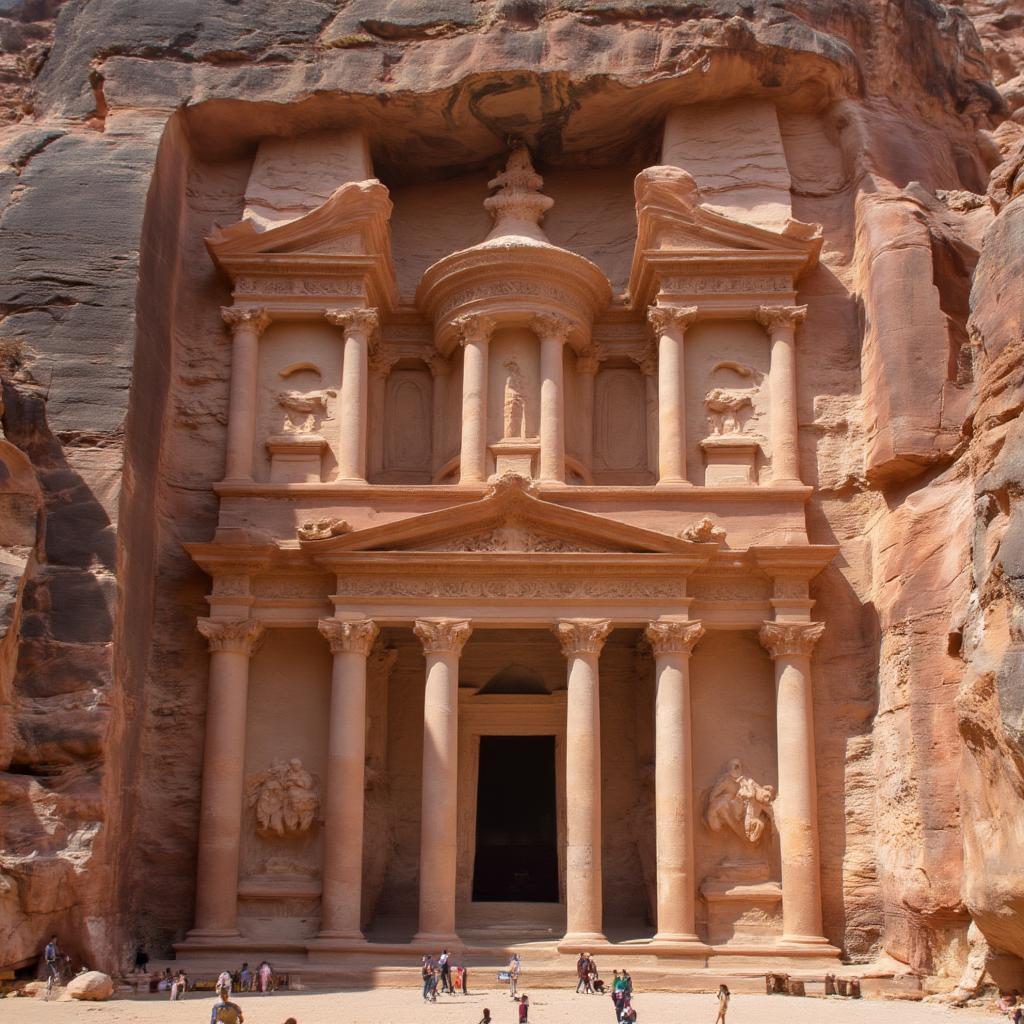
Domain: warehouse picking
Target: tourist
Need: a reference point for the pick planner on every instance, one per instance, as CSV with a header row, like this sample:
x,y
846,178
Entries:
x,y
182,984
618,988
141,959
426,972
165,982
245,978
223,981
464,979
51,954
514,968
629,1015
524,1009
627,986
723,1003
225,1011
486,1018
444,962
582,974
265,977
174,988
595,985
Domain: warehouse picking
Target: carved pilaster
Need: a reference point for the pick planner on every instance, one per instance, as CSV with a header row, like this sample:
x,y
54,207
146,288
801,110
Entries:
x,y
240,636
354,636
443,636
475,328
438,365
674,636
790,639
382,362
647,360
365,322
255,318
667,318
771,317
582,636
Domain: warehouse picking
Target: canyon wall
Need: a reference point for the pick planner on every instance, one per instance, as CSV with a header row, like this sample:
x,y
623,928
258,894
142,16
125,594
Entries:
x,y
127,133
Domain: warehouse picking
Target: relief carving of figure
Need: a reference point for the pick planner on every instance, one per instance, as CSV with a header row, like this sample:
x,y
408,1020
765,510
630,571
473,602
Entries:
x,y
737,802
285,797
515,401
303,409
725,406
323,529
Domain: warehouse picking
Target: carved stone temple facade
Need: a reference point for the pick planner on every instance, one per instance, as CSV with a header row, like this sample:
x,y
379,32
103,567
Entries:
x,y
462,536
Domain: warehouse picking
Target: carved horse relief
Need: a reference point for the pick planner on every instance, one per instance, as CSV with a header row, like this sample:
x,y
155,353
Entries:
x,y
727,408
304,411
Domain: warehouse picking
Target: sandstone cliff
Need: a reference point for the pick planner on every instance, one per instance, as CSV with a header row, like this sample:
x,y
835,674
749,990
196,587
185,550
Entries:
x,y
129,130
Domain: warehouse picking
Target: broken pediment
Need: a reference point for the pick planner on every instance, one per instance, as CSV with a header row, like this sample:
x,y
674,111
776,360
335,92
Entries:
x,y
508,519
681,237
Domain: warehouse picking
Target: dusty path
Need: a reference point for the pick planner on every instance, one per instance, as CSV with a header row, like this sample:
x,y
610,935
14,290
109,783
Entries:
x,y
404,1006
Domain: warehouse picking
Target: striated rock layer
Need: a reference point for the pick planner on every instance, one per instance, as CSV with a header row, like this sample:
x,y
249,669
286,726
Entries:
x,y
131,130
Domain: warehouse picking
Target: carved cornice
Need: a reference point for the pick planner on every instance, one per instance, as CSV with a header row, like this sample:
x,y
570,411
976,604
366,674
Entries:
x,y
551,326
443,636
474,328
355,321
582,636
772,317
239,636
790,639
354,636
674,636
253,318
668,318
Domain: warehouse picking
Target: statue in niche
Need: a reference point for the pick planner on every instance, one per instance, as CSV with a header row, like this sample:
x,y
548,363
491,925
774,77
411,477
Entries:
x,y
726,406
285,797
739,803
515,402
303,409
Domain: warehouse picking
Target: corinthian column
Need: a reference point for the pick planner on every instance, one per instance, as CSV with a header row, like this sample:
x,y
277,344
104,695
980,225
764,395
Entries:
x,y
553,332
475,332
360,327
672,641
670,323
581,641
341,901
246,327
780,323
232,643
796,808
443,640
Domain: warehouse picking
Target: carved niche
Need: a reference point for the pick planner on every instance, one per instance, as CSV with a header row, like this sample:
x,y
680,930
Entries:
x,y
285,798
620,425
739,803
407,425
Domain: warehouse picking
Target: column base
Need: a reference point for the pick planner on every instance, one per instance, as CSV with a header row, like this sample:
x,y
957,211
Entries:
x,y
580,942
803,940
676,938
669,481
351,481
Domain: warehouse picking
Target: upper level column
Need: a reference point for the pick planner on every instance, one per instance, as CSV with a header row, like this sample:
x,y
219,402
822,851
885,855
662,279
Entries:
x,y
581,641
360,327
475,331
587,364
232,643
553,332
781,323
796,808
246,327
443,640
670,323
381,363
344,798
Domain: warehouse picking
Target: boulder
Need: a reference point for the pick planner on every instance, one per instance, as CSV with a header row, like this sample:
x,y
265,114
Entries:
x,y
94,986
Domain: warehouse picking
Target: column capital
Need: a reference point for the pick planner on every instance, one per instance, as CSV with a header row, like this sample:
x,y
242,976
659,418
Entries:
x,y
256,318
667,318
443,636
788,639
647,360
437,364
674,636
588,361
239,636
772,317
354,321
551,326
349,636
582,636
475,328
382,362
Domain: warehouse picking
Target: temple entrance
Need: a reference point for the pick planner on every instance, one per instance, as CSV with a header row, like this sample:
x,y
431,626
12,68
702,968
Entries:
x,y
516,823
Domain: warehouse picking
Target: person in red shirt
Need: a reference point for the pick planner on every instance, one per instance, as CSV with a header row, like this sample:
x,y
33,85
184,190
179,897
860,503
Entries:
x,y
524,1009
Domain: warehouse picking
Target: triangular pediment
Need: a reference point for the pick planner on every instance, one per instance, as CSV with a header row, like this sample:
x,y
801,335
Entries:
x,y
509,519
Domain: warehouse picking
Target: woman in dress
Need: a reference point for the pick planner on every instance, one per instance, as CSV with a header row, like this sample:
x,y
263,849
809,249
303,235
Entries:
x,y
723,1003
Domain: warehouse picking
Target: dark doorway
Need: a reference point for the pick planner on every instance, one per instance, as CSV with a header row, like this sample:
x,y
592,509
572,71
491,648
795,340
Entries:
x,y
516,823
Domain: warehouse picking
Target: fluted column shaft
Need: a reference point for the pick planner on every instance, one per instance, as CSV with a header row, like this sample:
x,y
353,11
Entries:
x,y
796,808
475,332
781,323
443,640
344,799
553,332
246,327
672,641
232,643
581,641
360,327
670,323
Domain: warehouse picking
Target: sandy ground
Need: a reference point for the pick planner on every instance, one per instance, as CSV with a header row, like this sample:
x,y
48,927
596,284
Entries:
x,y
404,1006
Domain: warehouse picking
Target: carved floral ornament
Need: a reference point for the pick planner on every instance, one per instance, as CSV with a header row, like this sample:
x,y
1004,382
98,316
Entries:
x,y
673,636
790,639
285,797
671,318
475,328
582,636
251,318
365,322
236,636
443,636
740,804
355,636
550,326
773,317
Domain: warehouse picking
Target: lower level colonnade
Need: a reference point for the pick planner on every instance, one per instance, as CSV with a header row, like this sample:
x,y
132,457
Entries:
x,y
672,639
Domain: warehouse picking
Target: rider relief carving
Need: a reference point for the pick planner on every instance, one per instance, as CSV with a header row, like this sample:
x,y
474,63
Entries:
x,y
285,797
729,409
739,803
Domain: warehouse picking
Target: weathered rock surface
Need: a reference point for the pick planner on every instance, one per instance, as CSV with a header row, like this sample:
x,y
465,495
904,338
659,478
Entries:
x,y
129,131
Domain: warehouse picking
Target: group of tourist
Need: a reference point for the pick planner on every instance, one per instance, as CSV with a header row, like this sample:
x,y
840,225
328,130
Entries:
x,y
440,973
1012,1004
246,980
587,980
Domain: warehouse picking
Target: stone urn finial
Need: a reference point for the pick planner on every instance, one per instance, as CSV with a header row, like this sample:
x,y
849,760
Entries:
x,y
518,205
